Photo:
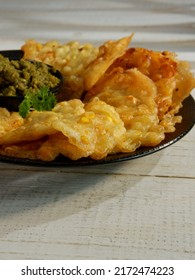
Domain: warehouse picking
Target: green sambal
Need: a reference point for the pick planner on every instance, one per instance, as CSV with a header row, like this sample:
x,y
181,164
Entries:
x,y
19,76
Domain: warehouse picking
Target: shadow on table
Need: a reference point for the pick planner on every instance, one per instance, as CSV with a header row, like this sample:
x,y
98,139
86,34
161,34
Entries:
x,y
32,195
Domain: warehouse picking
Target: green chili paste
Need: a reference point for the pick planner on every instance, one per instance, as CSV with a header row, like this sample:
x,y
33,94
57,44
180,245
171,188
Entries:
x,y
18,76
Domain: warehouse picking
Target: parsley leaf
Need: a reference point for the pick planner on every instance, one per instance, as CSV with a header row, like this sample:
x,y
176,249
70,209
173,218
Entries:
x,y
42,100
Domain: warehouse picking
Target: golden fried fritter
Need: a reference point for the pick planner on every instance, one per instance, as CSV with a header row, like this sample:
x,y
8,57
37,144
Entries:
x,y
108,53
130,98
133,95
173,80
71,128
71,59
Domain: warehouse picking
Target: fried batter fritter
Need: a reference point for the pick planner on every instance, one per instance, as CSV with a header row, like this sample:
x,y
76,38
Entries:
x,y
130,98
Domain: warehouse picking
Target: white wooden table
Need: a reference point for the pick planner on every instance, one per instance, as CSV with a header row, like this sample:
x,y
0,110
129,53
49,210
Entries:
x,y
139,209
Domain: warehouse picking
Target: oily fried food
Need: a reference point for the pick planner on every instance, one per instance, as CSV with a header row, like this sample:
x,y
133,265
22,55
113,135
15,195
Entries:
x,y
172,78
34,127
108,53
161,68
26,150
133,95
108,125
71,128
9,121
130,98
70,59
97,131
81,65
57,144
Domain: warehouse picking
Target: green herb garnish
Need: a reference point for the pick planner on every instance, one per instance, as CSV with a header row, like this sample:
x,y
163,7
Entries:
x,y
42,100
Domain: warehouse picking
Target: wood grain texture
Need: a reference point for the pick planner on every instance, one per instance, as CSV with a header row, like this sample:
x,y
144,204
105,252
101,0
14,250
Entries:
x,y
139,209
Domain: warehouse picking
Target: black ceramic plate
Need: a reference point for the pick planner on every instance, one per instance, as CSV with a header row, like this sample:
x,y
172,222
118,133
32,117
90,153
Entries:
x,y
13,54
187,112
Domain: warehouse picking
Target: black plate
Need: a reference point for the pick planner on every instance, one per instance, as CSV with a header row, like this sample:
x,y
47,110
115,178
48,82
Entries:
x,y
13,54
187,112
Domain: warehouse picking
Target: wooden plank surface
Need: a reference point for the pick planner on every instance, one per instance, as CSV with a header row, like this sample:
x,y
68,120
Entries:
x,y
139,209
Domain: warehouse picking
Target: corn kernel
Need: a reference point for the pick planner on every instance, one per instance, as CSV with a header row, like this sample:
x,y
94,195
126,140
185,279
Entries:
x,y
109,119
84,139
84,120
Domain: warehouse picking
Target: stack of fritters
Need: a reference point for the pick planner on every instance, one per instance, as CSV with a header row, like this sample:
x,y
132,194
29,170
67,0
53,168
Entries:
x,y
116,99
